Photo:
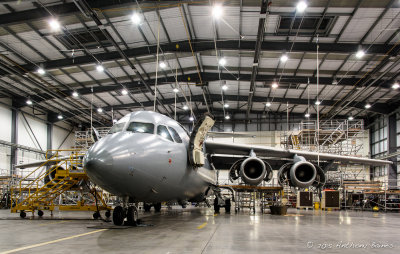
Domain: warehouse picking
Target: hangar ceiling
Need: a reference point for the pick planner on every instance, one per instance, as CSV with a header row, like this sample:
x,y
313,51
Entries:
x,y
225,64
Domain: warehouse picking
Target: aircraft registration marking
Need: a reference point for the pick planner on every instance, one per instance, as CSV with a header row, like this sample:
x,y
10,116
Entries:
x,y
50,242
202,225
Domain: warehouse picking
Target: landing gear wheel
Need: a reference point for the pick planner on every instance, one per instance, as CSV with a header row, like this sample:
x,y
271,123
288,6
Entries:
x,y
216,206
132,216
96,215
40,213
228,205
146,207
118,216
22,214
157,207
108,214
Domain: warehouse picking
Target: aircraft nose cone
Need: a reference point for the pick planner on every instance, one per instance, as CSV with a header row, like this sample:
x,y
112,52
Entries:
x,y
98,163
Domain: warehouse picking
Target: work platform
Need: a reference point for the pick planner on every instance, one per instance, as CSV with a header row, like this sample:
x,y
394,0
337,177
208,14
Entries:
x,y
247,195
58,183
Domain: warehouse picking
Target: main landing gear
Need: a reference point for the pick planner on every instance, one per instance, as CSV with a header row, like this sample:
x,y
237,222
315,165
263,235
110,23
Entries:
x,y
218,203
147,207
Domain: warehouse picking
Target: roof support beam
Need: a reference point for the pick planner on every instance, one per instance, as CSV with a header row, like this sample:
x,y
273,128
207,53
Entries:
x,y
381,108
260,39
200,46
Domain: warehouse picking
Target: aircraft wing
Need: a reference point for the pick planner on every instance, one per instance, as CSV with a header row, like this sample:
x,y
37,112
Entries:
x,y
265,151
49,162
230,134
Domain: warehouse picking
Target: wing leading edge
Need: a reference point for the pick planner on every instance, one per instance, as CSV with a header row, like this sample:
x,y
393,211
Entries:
x,y
241,149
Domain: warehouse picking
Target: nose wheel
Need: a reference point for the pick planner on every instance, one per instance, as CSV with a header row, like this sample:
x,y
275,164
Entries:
x,y
131,214
118,215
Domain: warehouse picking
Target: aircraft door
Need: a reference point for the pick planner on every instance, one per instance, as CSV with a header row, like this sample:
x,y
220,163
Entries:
x,y
199,133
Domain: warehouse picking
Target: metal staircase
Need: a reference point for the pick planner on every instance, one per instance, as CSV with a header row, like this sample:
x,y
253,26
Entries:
x,y
42,187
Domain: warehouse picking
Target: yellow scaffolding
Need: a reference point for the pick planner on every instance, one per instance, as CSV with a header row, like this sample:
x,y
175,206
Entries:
x,y
56,176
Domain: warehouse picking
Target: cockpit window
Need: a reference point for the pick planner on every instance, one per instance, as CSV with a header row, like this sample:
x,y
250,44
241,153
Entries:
x,y
138,127
163,132
117,128
175,135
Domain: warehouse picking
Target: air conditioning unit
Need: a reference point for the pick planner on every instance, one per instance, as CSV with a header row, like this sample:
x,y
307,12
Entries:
x,y
330,199
304,199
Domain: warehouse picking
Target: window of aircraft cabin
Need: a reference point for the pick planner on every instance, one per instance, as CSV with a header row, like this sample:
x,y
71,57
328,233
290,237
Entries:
x,y
163,132
117,128
139,127
175,135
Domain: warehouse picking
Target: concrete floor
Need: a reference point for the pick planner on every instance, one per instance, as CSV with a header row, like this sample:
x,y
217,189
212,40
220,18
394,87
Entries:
x,y
198,230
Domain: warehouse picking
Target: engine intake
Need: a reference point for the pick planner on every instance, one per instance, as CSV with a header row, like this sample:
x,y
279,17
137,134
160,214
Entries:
x,y
302,174
253,170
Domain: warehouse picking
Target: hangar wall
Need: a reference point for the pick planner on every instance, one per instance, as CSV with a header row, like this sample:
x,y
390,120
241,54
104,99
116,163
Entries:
x,y
32,134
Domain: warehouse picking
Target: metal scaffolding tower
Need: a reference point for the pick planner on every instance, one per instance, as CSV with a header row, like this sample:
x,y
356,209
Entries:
x,y
344,137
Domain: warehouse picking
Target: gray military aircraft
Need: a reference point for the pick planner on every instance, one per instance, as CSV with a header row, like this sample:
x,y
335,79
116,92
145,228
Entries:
x,y
148,157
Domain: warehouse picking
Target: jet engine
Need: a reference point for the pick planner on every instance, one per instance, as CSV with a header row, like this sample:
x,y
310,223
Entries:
x,y
300,173
251,170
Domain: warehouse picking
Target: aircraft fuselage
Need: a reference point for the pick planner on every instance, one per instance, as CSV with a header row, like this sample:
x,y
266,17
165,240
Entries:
x,y
147,162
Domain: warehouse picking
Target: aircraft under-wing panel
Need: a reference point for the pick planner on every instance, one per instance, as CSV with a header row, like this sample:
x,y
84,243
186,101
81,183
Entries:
x,y
242,149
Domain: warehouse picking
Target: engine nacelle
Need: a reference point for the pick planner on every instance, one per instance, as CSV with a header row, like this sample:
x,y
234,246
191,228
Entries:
x,y
253,170
302,174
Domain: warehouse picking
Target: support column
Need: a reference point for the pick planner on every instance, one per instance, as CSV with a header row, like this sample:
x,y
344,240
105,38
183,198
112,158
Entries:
x,y
392,148
49,136
14,140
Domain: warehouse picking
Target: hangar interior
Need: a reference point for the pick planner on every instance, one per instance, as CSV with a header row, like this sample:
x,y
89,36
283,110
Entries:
x,y
319,76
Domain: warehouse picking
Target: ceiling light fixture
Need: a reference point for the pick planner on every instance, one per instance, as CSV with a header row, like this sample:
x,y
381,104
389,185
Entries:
x,y
224,87
191,118
163,65
185,107
275,85
222,61
301,6
217,11
124,92
226,105
136,19
176,90
395,86
307,115
227,117
268,104
317,103
75,94
367,106
29,102
100,68
360,53
284,58
100,110
351,118
41,71
54,24
60,117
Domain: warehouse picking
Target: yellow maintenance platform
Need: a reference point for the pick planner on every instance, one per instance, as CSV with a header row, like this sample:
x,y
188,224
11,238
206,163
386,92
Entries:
x,y
58,183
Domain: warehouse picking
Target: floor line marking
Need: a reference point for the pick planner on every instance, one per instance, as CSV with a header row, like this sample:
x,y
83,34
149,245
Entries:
x,y
199,227
50,242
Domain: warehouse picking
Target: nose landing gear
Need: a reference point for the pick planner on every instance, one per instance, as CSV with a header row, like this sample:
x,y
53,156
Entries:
x,y
131,214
